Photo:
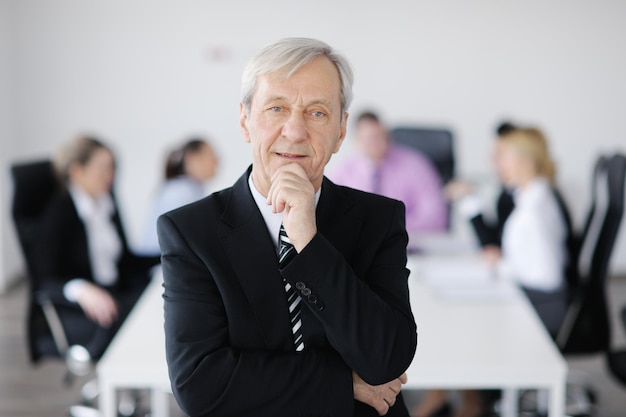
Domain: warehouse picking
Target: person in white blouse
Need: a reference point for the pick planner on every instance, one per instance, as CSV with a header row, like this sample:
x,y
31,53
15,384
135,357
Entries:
x,y
534,238
533,249
187,171
82,253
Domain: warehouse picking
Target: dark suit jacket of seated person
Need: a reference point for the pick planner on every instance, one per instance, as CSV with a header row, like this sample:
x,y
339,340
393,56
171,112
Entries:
x,y
229,341
82,249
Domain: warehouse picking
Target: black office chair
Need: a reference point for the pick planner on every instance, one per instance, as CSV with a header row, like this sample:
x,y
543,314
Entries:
x,y
34,185
616,360
586,328
436,144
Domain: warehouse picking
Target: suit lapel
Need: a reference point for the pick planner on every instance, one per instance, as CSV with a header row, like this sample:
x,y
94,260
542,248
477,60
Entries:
x,y
334,220
252,254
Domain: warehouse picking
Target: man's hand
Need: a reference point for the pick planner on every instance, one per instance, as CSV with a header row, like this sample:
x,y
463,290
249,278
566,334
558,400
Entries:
x,y
98,305
292,194
379,397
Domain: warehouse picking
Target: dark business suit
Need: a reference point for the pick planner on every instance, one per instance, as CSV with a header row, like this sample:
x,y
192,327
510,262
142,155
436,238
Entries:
x,y
61,253
229,344
491,234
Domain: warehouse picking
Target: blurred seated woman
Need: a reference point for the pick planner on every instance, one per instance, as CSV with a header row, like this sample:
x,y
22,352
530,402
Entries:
x,y
534,237
187,171
534,249
82,251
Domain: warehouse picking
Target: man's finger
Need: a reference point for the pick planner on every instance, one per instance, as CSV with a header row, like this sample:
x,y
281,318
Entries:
x,y
403,378
382,408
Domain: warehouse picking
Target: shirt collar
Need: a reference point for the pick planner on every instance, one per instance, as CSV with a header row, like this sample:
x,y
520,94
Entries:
x,y
87,206
535,189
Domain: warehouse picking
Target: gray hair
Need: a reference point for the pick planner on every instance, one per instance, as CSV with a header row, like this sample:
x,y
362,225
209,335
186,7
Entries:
x,y
288,55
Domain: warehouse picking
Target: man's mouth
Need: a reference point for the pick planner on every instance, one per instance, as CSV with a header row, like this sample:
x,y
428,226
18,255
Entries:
x,y
289,155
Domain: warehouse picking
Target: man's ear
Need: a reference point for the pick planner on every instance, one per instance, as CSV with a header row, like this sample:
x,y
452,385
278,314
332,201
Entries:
x,y
243,118
342,132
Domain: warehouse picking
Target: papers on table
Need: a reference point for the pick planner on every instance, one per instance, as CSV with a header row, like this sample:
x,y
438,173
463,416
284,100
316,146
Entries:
x,y
460,278
440,244
495,292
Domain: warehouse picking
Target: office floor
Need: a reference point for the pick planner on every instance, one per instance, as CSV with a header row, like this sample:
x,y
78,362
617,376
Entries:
x,y
28,391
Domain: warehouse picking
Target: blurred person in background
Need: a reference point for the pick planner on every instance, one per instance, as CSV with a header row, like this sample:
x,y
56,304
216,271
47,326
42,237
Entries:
x,y
395,171
82,252
534,245
535,235
187,171
488,231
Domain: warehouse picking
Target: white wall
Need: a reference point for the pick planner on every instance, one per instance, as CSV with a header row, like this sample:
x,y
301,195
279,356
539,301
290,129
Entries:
x,y
10,261
144,74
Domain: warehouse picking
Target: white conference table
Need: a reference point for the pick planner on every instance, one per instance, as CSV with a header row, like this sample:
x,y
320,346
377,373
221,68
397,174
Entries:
x,y
483,336
136,356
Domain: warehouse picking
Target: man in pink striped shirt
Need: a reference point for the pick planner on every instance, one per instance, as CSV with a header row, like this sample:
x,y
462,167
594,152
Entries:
x,y
395,171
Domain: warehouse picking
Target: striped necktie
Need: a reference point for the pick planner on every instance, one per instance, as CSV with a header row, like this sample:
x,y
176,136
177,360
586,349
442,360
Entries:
x,y
285,254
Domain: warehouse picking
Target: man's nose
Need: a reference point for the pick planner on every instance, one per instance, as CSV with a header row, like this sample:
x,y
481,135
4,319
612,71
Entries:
x,y
295,128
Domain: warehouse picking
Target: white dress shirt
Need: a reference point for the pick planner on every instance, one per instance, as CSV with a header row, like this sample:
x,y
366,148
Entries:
x,y
534,239
103,241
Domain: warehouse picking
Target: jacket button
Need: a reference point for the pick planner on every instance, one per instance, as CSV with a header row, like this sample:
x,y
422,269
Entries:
x,y
312,299
300,285
318,305
305,292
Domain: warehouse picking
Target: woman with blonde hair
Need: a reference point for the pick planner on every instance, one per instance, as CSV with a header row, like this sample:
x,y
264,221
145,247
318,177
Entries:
x,y
82,253
534,238
534,246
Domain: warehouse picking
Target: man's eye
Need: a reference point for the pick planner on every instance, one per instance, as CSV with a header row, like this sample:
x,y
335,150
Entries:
x,y
318,114
276,108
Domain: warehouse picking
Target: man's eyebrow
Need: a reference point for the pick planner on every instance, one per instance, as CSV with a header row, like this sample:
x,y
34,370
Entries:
x,y
321,101
274,98
279,98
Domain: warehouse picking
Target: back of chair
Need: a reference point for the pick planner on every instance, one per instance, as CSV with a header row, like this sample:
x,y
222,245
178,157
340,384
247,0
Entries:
x,y
34,184
436,144
587,326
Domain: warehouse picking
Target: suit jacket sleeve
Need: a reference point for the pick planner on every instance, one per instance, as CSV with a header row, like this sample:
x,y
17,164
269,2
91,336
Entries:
x,y
59,253
365,313
487,234
211,377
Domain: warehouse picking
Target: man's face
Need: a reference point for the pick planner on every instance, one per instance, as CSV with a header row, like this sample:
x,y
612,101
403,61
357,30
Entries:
x,y
498,159
373,139
296,119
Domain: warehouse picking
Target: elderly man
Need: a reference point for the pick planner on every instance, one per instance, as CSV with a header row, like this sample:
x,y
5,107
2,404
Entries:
x,y
286,295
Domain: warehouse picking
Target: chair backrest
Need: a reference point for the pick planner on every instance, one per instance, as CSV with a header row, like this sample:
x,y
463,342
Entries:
x,y
587,325
436,144
34,184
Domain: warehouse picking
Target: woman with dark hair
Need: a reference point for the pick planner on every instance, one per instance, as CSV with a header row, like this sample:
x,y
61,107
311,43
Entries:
x,y
187,171
82,253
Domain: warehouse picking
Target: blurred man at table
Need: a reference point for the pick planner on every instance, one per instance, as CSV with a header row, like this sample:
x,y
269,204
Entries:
x,y
287,295
395,171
